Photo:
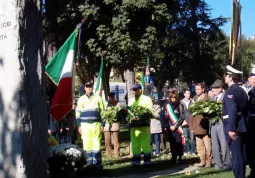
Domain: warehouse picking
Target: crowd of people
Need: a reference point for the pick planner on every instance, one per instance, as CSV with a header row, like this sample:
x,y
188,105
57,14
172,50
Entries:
x,y
226,144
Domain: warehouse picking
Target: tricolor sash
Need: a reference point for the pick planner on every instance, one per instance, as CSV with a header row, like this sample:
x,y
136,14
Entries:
x,y
174,120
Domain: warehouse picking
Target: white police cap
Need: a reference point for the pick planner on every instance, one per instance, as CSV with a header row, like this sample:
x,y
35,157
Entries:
x,y
231,70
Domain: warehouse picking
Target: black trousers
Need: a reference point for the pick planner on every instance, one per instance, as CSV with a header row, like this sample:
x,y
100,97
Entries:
x,y
238,148
250,145
176,146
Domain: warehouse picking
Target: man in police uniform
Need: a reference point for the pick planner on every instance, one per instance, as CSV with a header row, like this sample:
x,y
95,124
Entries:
x,y
234,112
251,125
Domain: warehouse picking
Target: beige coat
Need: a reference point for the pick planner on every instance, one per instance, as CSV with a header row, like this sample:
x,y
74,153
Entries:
x,y
155,125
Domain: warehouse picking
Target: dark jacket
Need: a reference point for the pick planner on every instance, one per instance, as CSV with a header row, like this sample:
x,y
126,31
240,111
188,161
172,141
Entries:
x,y
178,111
186,110
68,122
52,125
235,101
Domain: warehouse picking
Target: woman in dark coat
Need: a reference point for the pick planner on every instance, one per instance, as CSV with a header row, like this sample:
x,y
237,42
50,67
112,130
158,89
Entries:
x,y
174,115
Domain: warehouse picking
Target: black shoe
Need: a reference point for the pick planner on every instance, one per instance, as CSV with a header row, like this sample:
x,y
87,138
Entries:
x,y
147,167
136,166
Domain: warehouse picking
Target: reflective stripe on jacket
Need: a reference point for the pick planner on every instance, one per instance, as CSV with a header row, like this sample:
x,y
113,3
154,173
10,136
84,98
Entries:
x,y
89,109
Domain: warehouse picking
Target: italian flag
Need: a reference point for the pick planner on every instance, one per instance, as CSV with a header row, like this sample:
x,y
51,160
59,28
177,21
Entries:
x,y
98,86
143,82
61,70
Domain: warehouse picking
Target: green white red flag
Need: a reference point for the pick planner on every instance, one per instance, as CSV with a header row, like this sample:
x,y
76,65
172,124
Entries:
x,y
143,82
61,70
147,69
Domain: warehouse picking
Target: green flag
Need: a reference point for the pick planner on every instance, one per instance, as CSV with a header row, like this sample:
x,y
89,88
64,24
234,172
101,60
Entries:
x,y
98,84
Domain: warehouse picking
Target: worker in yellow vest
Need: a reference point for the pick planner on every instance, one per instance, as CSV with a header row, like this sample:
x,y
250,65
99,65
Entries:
x,y
140,133
88,116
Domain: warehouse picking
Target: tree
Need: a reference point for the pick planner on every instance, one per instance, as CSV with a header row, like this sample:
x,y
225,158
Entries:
x,y
245,55
23,119
179,37
126,30
195,47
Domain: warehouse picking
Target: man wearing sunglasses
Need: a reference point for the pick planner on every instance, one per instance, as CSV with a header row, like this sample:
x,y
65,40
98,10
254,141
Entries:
x,y
88,116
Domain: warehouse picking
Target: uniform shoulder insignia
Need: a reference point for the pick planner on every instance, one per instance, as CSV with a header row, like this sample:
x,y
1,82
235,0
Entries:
x,y
230,96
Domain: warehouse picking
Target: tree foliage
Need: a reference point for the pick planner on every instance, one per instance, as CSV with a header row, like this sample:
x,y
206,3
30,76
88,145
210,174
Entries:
x,y
180,37
245,55
126,30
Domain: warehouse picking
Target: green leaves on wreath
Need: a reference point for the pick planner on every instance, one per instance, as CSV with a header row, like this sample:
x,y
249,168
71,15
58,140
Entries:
x,y
206,108
113,114
141,113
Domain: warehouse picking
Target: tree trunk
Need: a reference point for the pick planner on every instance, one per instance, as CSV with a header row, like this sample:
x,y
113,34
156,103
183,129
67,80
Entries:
x,y
23,121
130,78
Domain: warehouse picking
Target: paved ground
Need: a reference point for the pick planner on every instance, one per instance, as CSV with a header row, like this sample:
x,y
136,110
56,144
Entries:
x,y
174,170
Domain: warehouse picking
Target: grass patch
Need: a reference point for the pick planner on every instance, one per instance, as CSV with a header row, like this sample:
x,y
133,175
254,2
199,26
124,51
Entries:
x,y
123,166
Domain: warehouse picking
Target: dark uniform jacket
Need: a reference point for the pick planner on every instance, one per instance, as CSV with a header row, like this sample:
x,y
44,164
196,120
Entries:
x,y
235,110
251,95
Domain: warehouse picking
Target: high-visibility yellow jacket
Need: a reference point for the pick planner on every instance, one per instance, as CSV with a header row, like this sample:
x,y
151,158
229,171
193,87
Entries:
x,y
89,109
143,100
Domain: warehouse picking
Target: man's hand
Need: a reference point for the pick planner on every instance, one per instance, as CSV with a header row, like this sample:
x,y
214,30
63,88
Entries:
x,y
134,118
102,128
67,129
232,135
172,128
79,130
192,130
49,131
61,130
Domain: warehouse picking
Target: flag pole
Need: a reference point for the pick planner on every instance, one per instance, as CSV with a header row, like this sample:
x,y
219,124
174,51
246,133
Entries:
x,y
241,42
231,33
79,26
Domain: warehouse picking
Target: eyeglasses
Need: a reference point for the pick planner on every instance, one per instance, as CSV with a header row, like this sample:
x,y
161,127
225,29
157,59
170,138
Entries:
x,y
88,86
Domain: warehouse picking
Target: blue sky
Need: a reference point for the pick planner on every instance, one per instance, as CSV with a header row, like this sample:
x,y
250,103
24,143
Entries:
x,y
224,8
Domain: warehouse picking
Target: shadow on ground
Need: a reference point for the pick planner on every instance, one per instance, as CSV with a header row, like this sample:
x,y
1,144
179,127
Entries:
x,y
204,173
123,167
